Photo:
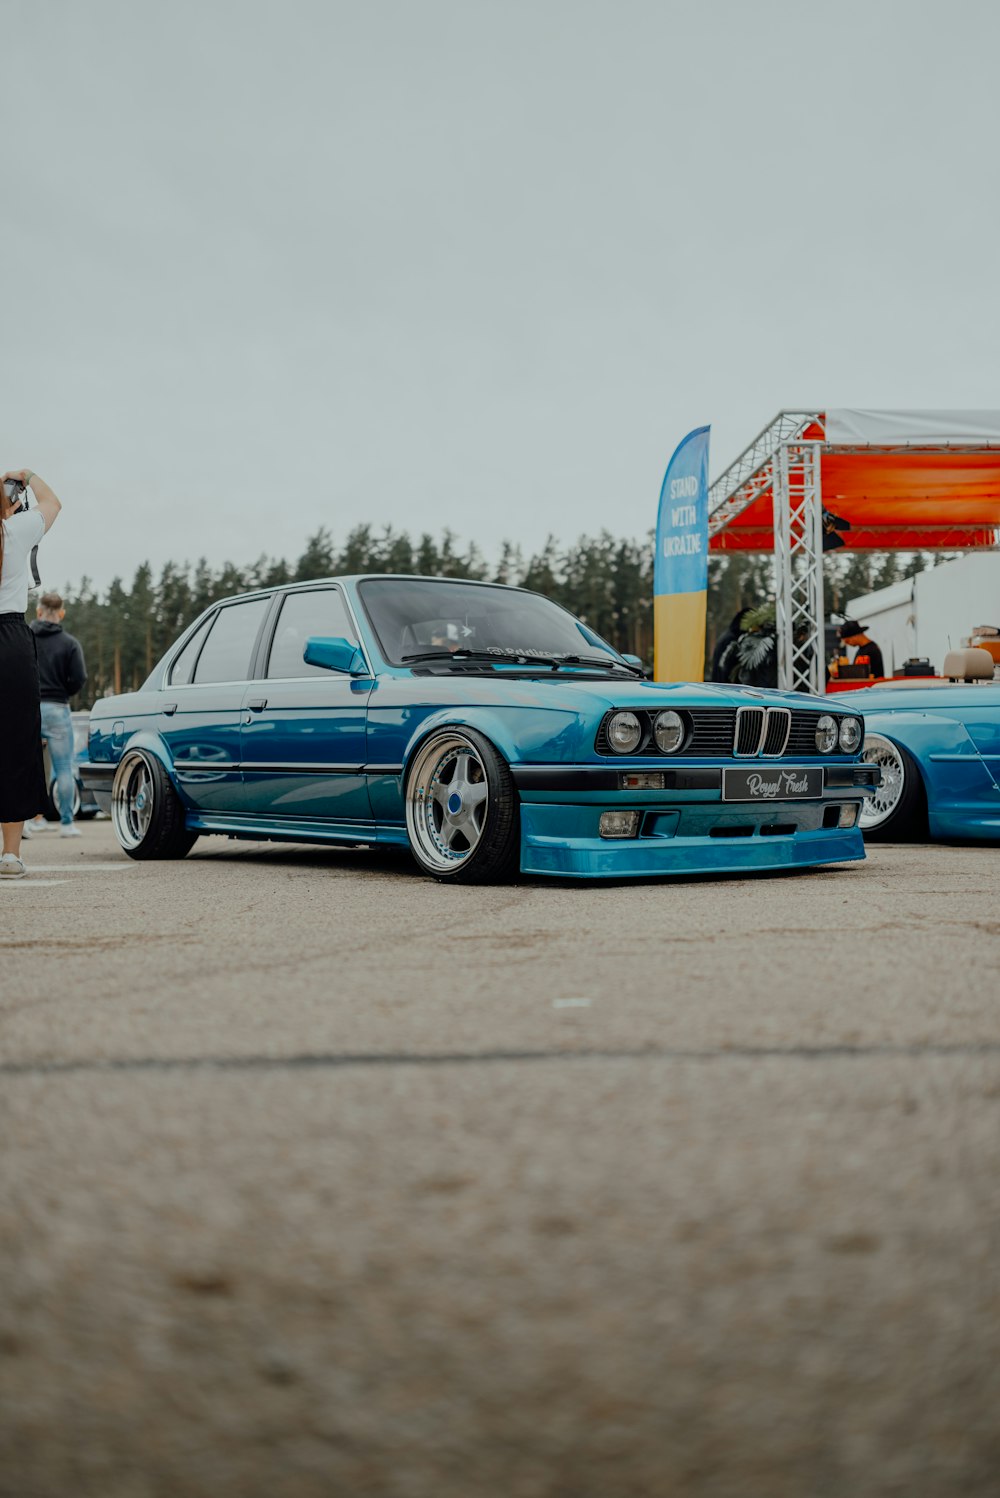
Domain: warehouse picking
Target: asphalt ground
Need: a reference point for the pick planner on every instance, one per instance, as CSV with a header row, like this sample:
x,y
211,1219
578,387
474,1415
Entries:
x,y
319,1178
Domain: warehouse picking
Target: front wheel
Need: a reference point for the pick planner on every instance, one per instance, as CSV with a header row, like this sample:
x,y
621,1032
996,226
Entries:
x,y
462,808
146,811
897,812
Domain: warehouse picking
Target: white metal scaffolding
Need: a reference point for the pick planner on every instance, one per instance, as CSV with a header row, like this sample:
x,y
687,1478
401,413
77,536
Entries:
x,y
798,567
778,459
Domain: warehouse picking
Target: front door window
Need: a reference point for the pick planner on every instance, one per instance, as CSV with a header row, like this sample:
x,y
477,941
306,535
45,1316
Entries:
x,y
303,742
318,613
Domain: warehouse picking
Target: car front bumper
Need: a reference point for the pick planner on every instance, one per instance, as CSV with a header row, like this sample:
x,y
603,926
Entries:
x,y
685,828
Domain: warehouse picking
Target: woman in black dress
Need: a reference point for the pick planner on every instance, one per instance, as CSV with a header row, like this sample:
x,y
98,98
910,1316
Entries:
x,y
22,775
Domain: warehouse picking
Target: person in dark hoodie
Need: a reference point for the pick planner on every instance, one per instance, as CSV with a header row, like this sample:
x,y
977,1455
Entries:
x,y
61,674
722,659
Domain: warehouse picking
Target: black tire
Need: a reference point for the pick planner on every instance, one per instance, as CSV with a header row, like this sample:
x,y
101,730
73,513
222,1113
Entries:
x,y
153,827
50,810
462,809
897,813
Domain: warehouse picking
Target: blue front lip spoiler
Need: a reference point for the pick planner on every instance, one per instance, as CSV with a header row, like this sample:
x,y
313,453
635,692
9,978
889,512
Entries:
x,y
655,857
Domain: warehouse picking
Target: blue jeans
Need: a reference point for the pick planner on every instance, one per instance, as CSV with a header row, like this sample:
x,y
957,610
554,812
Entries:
x,y
57,728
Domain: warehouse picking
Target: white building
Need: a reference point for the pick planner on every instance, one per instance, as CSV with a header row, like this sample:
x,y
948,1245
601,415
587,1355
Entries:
x,y
933,612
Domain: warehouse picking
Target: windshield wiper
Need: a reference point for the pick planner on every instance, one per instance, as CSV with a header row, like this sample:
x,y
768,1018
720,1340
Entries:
x,y
520,658
451,655
600,660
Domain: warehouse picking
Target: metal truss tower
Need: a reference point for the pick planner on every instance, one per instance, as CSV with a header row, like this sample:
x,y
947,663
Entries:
x,y
798,567
780,459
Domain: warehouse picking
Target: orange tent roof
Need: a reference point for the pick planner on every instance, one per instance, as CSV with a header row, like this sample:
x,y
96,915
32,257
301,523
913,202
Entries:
x,y
897,497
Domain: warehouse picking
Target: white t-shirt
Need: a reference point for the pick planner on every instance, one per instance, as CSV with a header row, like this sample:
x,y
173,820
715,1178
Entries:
x,y
20,534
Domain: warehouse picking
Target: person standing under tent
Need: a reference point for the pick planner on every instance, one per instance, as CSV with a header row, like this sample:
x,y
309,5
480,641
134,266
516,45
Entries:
x,y
852,633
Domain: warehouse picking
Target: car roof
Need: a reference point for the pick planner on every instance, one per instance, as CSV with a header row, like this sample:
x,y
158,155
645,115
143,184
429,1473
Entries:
x,y
362,577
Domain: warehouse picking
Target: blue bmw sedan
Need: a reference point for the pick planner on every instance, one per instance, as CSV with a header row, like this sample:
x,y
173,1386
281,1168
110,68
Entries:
x,y
481,726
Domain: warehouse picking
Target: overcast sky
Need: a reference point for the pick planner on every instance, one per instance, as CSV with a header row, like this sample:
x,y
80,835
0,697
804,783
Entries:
x,y
272,266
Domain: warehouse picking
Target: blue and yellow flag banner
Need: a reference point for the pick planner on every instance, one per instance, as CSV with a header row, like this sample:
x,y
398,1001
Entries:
x,y
680,572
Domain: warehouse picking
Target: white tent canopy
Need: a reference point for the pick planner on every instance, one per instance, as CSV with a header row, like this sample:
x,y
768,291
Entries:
x,y
850,427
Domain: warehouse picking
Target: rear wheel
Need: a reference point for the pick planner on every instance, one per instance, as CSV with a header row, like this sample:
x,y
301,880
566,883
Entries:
x,y
897,812
52,808
146,811
462,808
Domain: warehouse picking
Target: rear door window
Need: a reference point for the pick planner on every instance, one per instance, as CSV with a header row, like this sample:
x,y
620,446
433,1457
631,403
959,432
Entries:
x,y
229,647
180,671
321,613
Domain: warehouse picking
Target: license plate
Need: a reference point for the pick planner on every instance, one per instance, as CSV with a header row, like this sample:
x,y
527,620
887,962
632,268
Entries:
x,y
772,783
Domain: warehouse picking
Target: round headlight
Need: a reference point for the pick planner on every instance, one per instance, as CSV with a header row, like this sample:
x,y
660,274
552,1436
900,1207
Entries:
x,y
850,734
826,734
624,733
668,731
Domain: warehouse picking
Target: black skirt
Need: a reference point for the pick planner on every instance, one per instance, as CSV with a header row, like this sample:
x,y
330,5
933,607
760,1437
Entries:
x,y
22,772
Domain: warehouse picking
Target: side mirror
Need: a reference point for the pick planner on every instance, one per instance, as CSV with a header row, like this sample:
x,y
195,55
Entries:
x,y
636,660
335,655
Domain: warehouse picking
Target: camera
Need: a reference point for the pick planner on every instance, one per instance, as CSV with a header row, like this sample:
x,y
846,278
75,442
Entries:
x,y
17,497
17,494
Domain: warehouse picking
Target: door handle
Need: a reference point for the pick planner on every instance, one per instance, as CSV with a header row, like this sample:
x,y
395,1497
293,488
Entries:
x,y
257,704
170,708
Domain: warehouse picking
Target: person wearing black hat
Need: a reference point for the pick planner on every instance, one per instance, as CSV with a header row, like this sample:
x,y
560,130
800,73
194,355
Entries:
x,y
853,633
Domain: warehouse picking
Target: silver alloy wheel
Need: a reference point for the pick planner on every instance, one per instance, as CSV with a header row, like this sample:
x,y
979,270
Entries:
x,y
132,800
879,808
447,798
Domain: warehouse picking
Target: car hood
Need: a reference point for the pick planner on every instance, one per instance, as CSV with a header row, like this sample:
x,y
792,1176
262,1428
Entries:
x,y
917,696
584,696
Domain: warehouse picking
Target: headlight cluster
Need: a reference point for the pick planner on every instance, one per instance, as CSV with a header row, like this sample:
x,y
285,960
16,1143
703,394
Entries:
x,y
624,732
829,734
667,732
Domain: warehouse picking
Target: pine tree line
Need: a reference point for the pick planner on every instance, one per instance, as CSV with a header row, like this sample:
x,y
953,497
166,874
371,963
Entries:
x,y
605,580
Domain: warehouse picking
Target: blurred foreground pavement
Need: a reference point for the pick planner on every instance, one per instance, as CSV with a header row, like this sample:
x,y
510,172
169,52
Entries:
x,y
321,1179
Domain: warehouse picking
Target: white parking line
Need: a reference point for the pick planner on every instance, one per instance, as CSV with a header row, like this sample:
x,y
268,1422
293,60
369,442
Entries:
x,y
29,883
68,868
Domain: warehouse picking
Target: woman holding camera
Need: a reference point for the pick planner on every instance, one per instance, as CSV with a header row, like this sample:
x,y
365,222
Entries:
x,y
22,773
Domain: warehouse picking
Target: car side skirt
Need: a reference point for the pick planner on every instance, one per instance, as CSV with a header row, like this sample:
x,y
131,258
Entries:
x,y
286,829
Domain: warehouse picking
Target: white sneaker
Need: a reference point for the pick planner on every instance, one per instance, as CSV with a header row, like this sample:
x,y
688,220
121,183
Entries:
x,y
26,831
37,824
70,829
11,867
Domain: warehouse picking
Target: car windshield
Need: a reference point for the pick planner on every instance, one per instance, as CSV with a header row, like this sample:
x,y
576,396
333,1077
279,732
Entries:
x,y
415,617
